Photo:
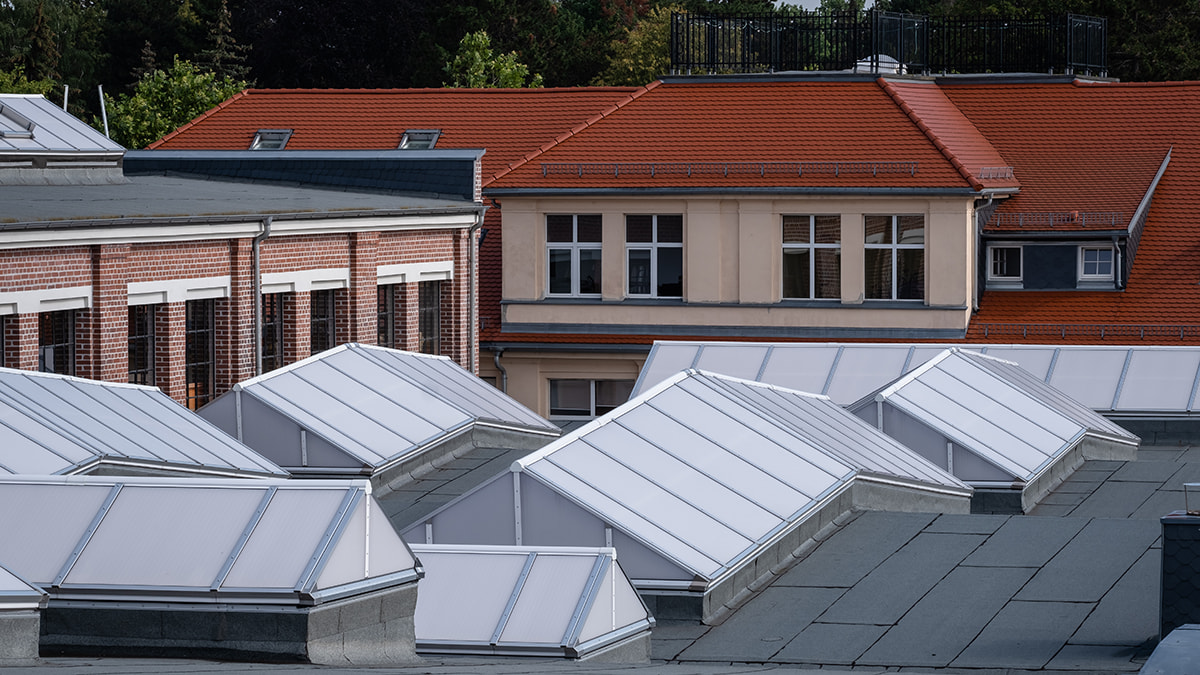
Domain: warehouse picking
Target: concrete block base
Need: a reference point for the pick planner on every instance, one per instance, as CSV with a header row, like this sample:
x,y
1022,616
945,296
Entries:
x,y
19,631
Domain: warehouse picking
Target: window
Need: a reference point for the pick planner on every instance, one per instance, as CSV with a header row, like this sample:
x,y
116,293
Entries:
x,y
200,351
419,139
812,261
587,398
271,139
272,331
573,247
141,344
56,342
654,246
894,257
1095,263
321,321
1004,263
429,317
385,301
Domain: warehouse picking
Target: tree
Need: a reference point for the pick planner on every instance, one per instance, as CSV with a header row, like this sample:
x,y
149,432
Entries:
x,y
224,55
476,66
164,100
15,82
644,55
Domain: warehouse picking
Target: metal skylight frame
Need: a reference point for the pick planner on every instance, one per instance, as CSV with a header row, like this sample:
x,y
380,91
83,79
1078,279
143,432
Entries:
x,y
271,139
419,139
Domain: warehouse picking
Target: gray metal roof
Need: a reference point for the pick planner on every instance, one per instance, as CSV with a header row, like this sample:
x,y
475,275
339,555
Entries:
x,y
996,410
160,199
16,593
53,424
704,471
199,539
362,406
1119,381
53,129
515,600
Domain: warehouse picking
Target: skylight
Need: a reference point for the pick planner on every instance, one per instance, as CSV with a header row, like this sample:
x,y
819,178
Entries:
x,y
13,124
419,139
270,139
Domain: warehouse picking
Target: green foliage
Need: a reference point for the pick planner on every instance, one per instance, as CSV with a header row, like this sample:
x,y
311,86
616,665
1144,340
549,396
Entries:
x,y
15,82
644,54
164,100
476,66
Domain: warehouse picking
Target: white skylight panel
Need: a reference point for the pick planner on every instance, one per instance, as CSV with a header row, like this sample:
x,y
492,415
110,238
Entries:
x,y
1159,380
1089,376
800,369
487,580
666,359
706,493
733,360
285,539
698,557
774,492
1035,360
56,517
996,385
353,373
861,370
30,447
342,425
551,594
154,536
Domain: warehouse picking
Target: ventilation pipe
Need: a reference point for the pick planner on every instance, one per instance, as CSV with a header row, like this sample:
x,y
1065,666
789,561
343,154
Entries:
x,y
103,110
255,245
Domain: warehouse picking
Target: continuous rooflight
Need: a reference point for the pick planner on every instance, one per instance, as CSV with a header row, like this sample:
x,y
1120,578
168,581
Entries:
x,y
419,139
271,139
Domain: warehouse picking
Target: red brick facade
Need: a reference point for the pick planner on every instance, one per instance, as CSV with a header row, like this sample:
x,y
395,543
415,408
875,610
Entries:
x,y
95,282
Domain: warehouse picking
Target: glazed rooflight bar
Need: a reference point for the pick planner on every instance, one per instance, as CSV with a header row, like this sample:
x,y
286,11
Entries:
x,y
525,601
200,540
1120,382
54,424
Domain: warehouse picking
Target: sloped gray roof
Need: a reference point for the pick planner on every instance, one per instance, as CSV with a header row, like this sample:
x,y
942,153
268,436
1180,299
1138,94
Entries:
x,y
374,406
54,424
1121,381
199,539
31,124
706,470
997,410
517,600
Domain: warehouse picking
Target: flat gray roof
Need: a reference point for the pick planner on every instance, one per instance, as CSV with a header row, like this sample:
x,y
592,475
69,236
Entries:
x,y
162,198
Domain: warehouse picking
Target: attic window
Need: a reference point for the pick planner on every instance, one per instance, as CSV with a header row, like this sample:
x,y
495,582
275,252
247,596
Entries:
x,y
270,139
13,124
419,139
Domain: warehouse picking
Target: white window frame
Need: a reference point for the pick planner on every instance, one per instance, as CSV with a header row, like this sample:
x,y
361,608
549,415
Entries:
x,y
991,263
574,246
1082,258
653,246
895,247
419,139
812,247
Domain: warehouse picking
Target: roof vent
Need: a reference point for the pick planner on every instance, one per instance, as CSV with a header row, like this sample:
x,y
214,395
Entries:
x,y
271,139
13,124
419,139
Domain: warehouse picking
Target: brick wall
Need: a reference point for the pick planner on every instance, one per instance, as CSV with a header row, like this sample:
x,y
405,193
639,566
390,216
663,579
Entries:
x,y
102,329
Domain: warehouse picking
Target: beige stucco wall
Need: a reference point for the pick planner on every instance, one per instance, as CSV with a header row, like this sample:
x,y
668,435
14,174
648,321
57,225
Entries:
x,y
529,373
733,263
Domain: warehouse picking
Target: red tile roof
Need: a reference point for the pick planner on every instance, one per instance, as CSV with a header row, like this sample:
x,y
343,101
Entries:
x,y
760,131
508,123
952,133
1102,142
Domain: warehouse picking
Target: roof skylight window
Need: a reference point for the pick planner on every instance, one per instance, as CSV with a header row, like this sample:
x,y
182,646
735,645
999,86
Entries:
x,y
271,139
13,124
419,139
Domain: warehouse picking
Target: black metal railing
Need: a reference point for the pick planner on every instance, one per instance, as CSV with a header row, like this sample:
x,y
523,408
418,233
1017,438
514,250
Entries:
x,y
887,42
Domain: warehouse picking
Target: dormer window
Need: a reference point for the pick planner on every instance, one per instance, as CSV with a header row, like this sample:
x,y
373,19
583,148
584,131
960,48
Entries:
x,y
271,139
1095,263
1005,263
419,139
